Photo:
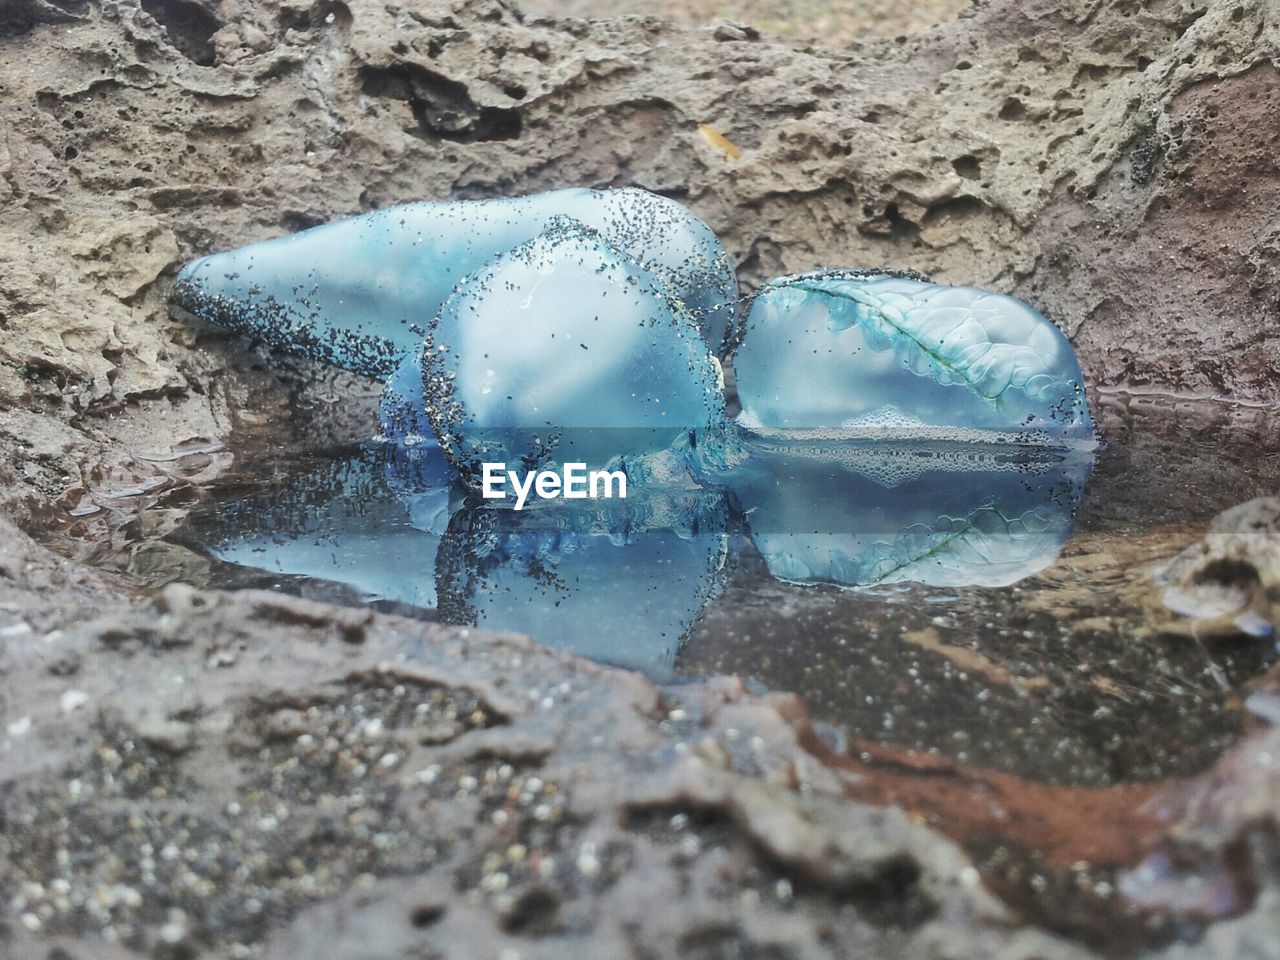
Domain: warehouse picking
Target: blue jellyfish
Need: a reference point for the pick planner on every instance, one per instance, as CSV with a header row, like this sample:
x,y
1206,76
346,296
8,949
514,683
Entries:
x,y
562,350
359,293
856,355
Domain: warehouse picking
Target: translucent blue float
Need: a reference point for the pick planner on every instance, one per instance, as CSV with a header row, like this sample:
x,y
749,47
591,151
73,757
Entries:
x,y
561,350
854,355
359,293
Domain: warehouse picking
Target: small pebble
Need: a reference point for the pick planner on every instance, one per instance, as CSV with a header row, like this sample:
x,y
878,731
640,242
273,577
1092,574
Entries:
x,y
588,863
73,700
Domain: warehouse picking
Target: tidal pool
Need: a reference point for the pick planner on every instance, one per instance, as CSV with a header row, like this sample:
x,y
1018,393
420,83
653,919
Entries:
x,y
973,629
985,604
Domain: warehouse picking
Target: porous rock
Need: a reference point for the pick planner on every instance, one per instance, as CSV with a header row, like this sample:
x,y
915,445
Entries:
x,y
1110,162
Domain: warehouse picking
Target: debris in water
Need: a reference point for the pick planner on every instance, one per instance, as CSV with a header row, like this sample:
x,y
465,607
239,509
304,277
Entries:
x,y
719,141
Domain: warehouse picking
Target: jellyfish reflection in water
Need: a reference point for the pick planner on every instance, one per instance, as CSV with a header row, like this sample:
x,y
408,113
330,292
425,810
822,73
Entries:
x,y
363,520
614,584
953,515
623,582
619,581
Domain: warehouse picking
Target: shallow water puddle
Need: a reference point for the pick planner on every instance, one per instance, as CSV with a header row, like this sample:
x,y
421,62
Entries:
x,y
1003,675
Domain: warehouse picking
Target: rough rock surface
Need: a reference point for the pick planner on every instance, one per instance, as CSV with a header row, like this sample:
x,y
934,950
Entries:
x,y
264,775
1229,582
1113,162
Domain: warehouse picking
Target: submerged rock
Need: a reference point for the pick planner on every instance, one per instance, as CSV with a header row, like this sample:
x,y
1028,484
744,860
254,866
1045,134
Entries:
x,y
857,355
360,292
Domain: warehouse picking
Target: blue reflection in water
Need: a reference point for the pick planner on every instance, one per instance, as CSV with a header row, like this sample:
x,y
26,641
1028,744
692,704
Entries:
x,y
623,581
941,514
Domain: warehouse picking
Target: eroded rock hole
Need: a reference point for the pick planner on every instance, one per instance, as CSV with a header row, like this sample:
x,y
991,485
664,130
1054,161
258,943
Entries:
x,y
534,912
1228,573
190,27
443,107
968,167
1013,109
425,915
